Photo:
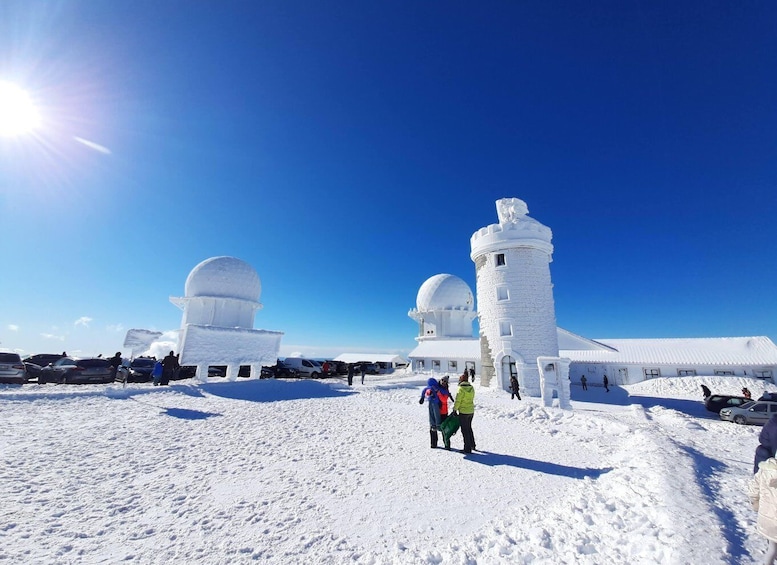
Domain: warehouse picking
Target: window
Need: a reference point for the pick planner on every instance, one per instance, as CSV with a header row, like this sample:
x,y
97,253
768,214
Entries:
x,y
592,369
420,365
652,373
686,372
469,365
724,373
435,365
763,374
760,407
452,366
505,329
499,259
502,293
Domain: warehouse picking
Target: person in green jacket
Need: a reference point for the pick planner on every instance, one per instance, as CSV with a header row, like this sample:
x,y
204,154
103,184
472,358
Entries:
x,y
464,405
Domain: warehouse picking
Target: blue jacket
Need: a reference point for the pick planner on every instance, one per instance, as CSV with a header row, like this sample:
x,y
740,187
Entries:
x,y
157,370
431,391
768,443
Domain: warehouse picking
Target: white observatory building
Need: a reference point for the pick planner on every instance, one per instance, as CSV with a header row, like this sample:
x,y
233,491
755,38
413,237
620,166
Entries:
x,y
220,302
515,301
445,310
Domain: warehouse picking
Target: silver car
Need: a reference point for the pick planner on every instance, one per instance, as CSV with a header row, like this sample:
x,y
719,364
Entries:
x,y
12,369
755,412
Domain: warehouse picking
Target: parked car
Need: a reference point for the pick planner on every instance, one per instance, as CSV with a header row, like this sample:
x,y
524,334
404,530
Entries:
x,y
369,368
281,370
754,412
12,369
77,371
303,367
43,359
33,370
140,370
715,402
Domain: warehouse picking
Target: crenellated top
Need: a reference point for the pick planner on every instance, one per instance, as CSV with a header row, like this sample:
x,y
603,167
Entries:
x,y
515,229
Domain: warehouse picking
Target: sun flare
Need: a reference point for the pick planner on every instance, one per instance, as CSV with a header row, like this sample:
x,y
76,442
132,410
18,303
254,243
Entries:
x,y
18,114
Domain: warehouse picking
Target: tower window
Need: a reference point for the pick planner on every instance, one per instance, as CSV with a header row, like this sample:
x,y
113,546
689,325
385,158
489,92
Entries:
x,y
452,366
505,329
686,372
499,259
502,293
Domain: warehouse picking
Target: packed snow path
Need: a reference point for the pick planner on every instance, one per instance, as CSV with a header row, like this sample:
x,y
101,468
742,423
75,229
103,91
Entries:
x,y
315,471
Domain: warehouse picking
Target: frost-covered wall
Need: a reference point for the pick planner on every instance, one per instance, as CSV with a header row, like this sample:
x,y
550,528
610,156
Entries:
x,y
514,296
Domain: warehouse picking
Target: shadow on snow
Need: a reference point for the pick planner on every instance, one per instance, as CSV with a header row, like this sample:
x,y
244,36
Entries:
x,y
186,414
495,459
706,471
273,390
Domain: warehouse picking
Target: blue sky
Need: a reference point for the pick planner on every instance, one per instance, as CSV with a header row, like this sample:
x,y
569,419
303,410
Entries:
x,y
348,151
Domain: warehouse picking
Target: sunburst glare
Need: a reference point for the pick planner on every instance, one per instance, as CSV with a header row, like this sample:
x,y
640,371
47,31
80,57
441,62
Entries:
x,y
18,113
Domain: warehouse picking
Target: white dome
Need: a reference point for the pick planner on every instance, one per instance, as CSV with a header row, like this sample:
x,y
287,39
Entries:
x,y
226,277
444,292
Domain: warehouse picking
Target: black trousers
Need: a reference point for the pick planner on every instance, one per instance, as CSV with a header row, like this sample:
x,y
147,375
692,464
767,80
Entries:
x,y
465,421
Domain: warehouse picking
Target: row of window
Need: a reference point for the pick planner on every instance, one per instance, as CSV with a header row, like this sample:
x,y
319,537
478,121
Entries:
x,y
453,366
654,373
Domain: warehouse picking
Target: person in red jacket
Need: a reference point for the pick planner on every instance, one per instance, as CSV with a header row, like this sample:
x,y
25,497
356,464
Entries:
x,y
444,394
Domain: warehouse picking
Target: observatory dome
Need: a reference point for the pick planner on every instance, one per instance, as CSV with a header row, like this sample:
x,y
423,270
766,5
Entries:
x,y
226,277
444,292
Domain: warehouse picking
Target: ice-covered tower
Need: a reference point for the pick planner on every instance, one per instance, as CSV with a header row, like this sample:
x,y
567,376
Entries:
x,y
219,306
444,309
515,296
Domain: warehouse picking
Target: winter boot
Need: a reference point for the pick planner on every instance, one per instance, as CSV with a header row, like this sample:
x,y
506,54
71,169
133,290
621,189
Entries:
x,y
433,436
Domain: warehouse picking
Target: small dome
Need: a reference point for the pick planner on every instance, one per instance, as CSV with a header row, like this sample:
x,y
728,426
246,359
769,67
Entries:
x,y
444,292
226,277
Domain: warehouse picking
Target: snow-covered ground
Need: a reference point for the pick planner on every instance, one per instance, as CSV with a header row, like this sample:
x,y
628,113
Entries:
x,y
286,471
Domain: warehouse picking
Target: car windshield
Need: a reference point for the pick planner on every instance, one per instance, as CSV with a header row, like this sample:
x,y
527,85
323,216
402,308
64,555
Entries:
x,y
143,363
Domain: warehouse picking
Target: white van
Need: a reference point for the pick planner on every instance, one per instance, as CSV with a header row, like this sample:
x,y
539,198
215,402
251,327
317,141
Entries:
x,y
304,367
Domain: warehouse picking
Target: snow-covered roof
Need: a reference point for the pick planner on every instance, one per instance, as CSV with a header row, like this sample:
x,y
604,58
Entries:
x,y
227,277
758,350
371,357
447,349
444,292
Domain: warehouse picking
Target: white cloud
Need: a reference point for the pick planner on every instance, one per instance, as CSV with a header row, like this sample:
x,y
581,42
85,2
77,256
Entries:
x,y
52,336
83,321
13,327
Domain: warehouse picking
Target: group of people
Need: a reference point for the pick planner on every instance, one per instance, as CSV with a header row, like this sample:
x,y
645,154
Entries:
x,y
352,369
438,396
605,383
165,370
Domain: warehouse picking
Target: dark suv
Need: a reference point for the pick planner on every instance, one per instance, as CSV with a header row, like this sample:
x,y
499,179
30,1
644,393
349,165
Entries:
x,y
716,402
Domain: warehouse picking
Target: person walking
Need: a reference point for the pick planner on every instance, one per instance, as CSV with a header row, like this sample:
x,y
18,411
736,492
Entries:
x,y
464,406
350,374
156,372
763,498
472,376
431,395
746,393
584,382
706,392
363,368
767,443
169,368
606,383
115,363
514,387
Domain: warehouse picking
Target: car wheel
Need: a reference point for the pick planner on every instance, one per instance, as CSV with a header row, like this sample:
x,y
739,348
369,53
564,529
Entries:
x,y
314,375
739,420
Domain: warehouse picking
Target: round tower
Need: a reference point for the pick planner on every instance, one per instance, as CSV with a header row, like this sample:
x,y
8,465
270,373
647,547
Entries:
x,y
515,296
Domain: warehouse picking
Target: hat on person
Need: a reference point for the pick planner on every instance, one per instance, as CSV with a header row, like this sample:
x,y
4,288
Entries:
x,y
444,379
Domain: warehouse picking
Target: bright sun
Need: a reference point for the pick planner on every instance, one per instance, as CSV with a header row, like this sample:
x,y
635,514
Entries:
x,y
18,114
